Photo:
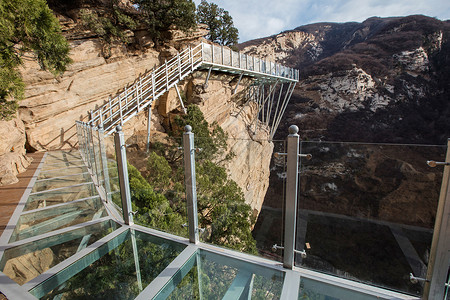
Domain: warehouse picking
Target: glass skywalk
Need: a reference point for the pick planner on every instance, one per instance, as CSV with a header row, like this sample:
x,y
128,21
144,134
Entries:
x,y
68,239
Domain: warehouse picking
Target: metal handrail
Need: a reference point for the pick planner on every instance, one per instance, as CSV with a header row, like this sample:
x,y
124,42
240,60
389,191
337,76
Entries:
x,y
150,86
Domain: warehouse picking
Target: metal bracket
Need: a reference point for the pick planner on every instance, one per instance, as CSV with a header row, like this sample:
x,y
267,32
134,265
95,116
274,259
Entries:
x,y
433,163
279,154
302,252
415,279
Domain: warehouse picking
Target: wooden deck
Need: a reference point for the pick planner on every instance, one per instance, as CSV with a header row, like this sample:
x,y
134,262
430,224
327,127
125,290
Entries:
x,y
11,194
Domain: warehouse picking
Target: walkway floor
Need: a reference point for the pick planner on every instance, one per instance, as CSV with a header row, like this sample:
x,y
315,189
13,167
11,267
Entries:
x,y
11,194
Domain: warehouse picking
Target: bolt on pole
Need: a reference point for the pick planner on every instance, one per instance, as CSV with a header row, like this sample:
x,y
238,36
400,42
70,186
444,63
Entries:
x,y
291,197
122,170
190,182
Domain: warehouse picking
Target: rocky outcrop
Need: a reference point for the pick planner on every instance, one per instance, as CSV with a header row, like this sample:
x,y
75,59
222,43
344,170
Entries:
x,y
52,105
249,167
12,151
385,77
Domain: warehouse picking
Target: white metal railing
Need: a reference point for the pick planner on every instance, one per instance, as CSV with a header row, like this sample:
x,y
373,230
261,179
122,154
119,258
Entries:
x,y
150,86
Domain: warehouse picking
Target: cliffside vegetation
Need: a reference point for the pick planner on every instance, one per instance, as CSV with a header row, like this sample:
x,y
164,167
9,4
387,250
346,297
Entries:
x,y
28,30
160,199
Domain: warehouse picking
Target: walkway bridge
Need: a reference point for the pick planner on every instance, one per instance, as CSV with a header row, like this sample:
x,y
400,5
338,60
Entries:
x,y
268,78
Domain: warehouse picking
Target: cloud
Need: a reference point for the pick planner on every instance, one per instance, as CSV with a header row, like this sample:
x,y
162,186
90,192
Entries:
x,y
261,18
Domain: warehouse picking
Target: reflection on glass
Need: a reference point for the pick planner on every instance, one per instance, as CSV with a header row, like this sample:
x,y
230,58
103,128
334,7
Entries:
x,y
268,230
63,195
36,223
113,271
157,183
316,290
45,174
54,183
25,262
367,211
211,276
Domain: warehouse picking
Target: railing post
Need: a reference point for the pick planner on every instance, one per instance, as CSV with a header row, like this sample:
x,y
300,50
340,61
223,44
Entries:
x,y
167,75
291,197
104,160
179,65
96,168
438,263
122,170
190,182
191,52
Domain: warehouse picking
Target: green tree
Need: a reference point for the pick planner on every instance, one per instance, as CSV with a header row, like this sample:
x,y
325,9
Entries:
x,y
160,15
221,204
28,29
219,22
110,24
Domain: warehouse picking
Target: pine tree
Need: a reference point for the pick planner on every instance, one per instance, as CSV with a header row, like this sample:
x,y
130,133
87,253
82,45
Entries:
x,y
219,22
28,29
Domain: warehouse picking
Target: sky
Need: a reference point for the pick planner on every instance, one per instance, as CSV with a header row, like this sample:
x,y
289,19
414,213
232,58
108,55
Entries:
x,y
261,18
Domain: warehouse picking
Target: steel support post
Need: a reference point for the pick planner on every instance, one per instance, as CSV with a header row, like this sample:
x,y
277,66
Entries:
x,y
122,169
104,160
439,260
291,197
190,182
95,168
149,125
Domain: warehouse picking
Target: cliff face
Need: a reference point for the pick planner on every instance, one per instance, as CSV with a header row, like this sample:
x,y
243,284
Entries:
x,y
52,105
385,78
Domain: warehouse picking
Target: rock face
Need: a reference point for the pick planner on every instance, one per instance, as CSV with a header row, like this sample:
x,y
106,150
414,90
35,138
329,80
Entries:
x,y
12,151
388,78
52,105
249,168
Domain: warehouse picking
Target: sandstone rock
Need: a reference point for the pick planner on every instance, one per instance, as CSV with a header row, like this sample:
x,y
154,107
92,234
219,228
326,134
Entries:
x,y
52,105
12,152
28,266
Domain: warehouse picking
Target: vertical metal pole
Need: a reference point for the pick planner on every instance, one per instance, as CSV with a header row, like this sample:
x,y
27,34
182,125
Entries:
x,y
149,125
96,168
122,169
291,197
190,182
167,75
191,55
440,248
104,159
136,259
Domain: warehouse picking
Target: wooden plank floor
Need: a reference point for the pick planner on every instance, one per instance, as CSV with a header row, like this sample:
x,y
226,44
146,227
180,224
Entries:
x,y
11,194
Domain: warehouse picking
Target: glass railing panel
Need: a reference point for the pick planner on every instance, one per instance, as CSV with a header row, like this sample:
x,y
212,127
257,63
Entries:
x,y
268,230
157,183
25,262
211,276
98,169
113,271
367,211
66,181
58,196
62,156
45,174
111,183
233,184
312,289
43,221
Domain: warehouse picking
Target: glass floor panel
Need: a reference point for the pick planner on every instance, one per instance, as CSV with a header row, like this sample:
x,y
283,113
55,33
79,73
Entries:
x,y
47,220
315,290
211,276
45,174
62,165
68,194
112,271
54,183
25,262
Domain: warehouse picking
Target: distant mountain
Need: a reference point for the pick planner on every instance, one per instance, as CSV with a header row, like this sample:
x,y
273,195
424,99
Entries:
x,y
382,80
